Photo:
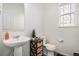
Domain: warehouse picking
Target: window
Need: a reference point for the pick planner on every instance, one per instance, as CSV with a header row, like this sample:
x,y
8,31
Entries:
x,y
67,12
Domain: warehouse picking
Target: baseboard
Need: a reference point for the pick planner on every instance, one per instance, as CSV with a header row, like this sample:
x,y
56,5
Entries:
x,y
63,53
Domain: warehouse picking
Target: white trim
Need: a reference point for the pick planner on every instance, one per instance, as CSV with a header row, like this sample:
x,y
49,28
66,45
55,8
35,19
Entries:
x,y
63,53
74,26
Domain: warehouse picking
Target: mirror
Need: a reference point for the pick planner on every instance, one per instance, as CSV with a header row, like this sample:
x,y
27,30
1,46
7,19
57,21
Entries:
x,y
13,16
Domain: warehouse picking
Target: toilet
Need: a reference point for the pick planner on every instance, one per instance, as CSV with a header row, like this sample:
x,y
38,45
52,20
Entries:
x,y
50,48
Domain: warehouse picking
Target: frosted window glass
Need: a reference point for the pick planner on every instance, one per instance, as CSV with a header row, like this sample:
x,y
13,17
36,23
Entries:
x,y
61,20
72,18
61,10
66,9
66,19
67,14
72,7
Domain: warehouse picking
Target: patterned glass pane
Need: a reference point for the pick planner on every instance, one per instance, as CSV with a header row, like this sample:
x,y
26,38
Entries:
x,y
66,15
72,18
61,20
61,10
66,19
72,7
66,8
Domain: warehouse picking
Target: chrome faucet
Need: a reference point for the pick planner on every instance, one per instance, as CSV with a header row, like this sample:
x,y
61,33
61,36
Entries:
x,y
17,36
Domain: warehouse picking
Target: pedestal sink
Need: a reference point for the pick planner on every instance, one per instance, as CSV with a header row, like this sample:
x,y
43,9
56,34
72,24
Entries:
x,y
17,43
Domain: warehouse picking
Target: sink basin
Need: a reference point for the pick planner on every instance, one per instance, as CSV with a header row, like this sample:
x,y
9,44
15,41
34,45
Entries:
x,y
16,42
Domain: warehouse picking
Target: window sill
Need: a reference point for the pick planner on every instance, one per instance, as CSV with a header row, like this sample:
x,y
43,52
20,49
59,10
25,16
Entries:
x,y
74,26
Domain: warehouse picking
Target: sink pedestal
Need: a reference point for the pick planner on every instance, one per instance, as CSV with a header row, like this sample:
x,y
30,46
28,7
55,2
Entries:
x,y
17,44
17,51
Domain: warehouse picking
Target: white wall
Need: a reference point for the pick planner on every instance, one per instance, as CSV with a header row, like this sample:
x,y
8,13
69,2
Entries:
x,y
44,19
3,49
9,13
13,16
33,20
53,33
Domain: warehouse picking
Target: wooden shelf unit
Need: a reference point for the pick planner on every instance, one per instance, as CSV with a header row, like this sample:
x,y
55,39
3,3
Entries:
x,y
36,47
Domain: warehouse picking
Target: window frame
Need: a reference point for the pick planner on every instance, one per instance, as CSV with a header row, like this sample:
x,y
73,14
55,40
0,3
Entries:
x,y
67,25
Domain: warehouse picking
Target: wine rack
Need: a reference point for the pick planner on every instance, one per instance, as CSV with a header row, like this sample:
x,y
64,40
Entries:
x,y
36,47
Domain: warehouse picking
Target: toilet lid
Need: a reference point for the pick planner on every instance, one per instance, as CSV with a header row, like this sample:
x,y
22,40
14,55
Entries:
x,y
50,47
